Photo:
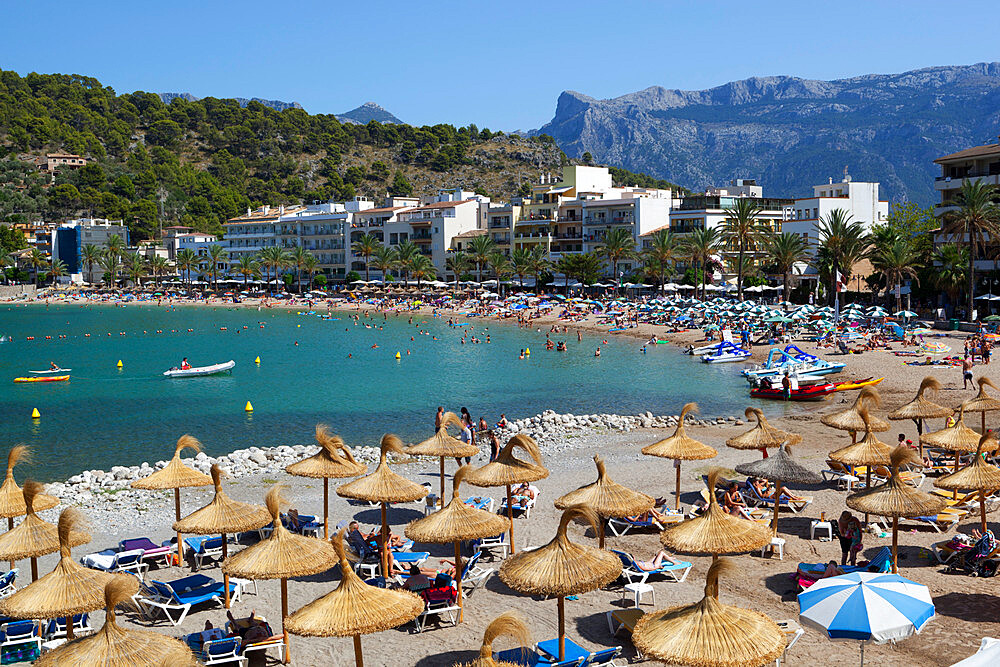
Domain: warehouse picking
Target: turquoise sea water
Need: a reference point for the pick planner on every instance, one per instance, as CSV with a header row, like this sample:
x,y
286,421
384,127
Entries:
x,y
105,416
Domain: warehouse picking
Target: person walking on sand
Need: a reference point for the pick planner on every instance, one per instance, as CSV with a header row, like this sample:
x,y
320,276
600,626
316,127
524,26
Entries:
x,y
967,372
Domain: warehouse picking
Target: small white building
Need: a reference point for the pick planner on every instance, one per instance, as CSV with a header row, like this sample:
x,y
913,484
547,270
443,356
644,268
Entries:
x,y
859,199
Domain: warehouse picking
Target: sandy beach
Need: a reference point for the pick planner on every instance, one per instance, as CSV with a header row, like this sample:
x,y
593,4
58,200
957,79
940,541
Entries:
x,y
967,608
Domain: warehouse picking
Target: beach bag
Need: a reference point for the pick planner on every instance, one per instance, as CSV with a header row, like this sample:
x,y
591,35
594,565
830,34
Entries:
x,y
987,568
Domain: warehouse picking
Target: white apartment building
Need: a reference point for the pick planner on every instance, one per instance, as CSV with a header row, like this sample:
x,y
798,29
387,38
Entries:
x,y
859,199
980,163
249,234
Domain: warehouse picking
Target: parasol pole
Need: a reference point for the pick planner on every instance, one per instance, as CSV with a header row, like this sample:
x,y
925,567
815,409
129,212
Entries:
x,y
326,508
10,526
562,628
384,546
868,485
600,532
895,542
69,627
458,576
34,568
177,511
677,491
359,661
225,575
284,619
982,509
777,499
510,516
954,492
442,482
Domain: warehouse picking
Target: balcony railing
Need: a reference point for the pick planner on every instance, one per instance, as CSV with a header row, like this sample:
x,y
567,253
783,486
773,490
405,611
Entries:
x,y
993,171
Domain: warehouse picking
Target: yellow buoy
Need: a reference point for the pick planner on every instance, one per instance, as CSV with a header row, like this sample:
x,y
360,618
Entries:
x,y
257,360
527,351
120,363
397,356
35,414
249,407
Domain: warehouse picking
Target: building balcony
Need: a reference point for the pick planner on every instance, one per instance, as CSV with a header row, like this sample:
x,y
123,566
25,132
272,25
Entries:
x,y
955,182
533,237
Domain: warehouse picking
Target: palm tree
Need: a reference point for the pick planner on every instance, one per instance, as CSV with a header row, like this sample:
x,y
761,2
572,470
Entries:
x,y
405,252
216,255
297,258
662,251
950,264
618,245
567,266
248,267
6,261
366,246
116,246
311,265
37,260
700,246
90,254
977,218
481,248
57,269
422,268
110,264
539,263
742,232
786,250
158,266
384,260
842,243
521,262
458,263
588,267
274,257
187,260
897,262
135,267
502,268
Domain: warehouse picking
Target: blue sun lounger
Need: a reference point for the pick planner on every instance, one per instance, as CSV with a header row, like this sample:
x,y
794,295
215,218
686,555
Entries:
x,y
880,562
636,575
182,594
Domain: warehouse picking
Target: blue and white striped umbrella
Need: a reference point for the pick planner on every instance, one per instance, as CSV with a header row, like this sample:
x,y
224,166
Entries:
x,y
866,606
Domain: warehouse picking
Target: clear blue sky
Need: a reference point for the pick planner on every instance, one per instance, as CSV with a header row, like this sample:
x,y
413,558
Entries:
x,y
498,64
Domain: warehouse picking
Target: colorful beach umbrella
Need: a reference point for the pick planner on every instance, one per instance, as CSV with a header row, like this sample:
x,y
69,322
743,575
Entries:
x,y
680,447
866,607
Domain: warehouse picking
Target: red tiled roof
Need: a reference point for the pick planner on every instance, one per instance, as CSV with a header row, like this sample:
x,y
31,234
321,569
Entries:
x,y
443,204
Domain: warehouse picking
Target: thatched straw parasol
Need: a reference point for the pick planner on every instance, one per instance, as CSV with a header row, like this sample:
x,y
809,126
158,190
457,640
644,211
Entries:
x,y
607,498
384,486
223,516
354,608
11,496
958,438
762,435
508,470
68,589
921,408
983,402
710,633
443,445
113,646
456,522
509,624
283,555
562,567
176,475
895,498
850,419
34,537
978,475
327,464
868,452
779,469
715,532
680,447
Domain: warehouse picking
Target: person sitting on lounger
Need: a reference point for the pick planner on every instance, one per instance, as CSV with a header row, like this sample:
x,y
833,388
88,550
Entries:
x,y
732,500
832,570
766,490
657,562
523,493
418,581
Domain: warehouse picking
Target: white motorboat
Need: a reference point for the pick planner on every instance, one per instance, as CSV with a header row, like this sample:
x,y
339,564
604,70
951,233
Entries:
x,y
214,369
728,352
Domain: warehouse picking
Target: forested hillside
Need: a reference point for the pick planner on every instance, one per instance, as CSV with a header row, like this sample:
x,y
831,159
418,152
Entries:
x,y
201,162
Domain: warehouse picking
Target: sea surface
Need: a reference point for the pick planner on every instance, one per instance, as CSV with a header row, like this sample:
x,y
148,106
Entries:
x,y
311,370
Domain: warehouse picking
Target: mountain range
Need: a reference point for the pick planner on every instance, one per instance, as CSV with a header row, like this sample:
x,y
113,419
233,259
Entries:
x,y
277,105
791,133
367,112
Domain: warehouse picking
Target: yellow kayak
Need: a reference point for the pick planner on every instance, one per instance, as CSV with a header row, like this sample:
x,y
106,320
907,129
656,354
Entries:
x,y
48,378
844,386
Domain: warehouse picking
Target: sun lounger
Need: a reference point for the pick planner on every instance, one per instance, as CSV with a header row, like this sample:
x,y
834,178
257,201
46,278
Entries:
x,y
20,641
203,547
491,543
181,595
530,658
947,519
440,600
620,526
475,575
946,550
112,560
56,627
880,562
784,501
480,502
634,574
914,479
7,586
522,505
151,552
839,473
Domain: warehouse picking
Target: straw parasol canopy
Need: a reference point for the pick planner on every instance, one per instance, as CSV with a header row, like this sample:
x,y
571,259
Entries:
x,y
562,567
680,447
11,496
710,633
384,486
958,437
443,445
850,419
762,436
715,532
456,522
283,555
113,646
867,452
223,516
175,475
507,470
334,460
607,498
921,408
34,537
68,589
780,468
354,608
978,476
895,498
510,624
983,402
